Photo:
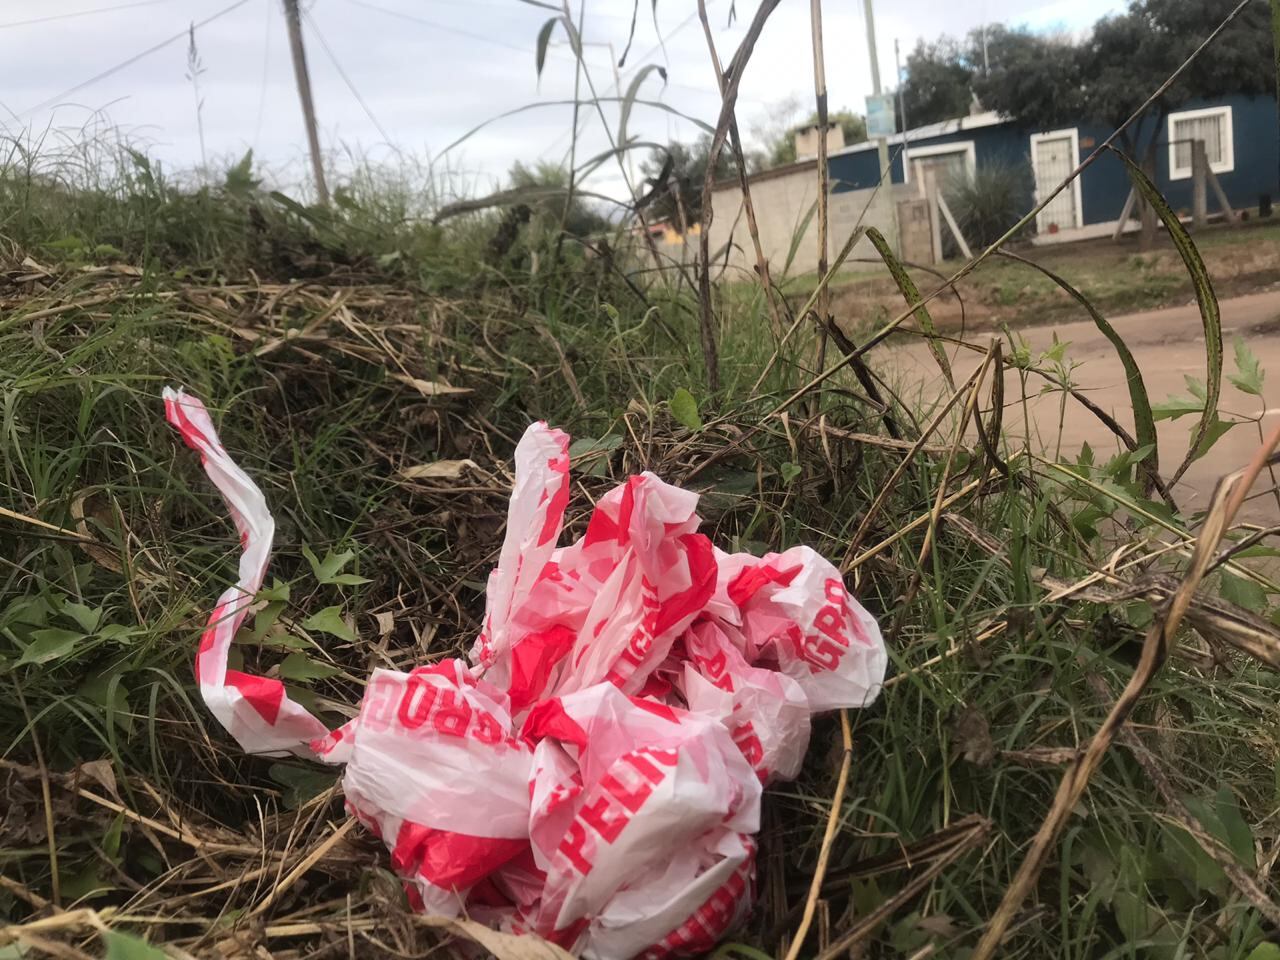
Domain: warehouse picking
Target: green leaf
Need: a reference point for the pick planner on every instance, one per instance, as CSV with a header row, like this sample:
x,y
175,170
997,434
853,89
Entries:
x,y
1206,299
300,783
594,452
1194,386
32,610
125,946
1139,400
1213,435
329,620
1244,592
326,570
265,620
278,592
109,692
117,631
1265,951
685,409
111,839
349,580
1248,376
911,294
1237,834
1176,407
789,472
86,884
544,39
86,617
633,90
50,643
298,666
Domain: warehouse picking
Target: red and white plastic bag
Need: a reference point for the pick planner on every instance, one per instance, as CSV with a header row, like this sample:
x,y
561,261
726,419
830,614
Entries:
x,y
593,774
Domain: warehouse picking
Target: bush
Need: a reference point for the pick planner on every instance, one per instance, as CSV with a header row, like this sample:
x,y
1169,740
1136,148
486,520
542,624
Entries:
x,y
989,201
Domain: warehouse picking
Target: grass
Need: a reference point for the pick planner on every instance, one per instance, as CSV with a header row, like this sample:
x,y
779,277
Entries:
x,y
299,327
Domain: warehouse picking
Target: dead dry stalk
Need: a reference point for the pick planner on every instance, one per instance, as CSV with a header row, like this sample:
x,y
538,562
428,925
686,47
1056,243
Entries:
x,y
1160,642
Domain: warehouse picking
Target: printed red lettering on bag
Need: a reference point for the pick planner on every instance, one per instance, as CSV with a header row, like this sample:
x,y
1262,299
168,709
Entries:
x,y
452,714
414,711
830,621
571,847
821,653
596,815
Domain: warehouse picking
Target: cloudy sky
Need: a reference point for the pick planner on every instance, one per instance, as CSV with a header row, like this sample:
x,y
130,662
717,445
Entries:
x,y
397,79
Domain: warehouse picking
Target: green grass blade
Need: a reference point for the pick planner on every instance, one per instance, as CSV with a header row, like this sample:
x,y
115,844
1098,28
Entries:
x,y
1144,423
797,235
911,294
1205,298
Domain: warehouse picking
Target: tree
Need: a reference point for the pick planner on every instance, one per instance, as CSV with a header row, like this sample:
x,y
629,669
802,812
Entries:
x,y
675,173
1034,79
548,188
1044,82
939,82
1109,76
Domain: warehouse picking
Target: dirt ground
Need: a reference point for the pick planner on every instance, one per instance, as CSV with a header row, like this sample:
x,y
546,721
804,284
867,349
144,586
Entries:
x,y
1168,344
1116,277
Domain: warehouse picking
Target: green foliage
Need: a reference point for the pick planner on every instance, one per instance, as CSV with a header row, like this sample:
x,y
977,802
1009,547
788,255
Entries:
x,y
989,201
1249,375
938,83
329,620
125,946
324,423
547,186
676,174
685,409
1046,80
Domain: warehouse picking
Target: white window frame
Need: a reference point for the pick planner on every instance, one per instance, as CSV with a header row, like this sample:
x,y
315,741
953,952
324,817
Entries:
x,y
1074,133
1228,161
913,152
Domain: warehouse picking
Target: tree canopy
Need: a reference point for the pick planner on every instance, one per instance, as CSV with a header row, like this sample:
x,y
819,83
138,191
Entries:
x,y
939,82
1045,80
675,175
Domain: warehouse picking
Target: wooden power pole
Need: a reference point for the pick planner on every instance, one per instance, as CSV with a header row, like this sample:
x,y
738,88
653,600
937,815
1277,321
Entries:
x,y
294,21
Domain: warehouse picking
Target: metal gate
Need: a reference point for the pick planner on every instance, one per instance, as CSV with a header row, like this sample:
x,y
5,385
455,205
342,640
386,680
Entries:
x,y
1053,157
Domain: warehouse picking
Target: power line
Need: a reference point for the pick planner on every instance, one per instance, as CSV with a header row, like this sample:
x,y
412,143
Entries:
x,y
333,58
437,26
180,35
266,59
80,13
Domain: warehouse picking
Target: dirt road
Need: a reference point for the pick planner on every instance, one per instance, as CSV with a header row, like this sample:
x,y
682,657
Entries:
x,y
1167,345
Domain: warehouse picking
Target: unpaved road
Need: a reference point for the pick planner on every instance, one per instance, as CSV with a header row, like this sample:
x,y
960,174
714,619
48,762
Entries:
x,y
1167,345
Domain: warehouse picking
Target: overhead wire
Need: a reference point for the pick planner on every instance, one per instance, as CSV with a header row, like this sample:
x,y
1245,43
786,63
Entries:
x,y
262,84
180,35
333,58
73,14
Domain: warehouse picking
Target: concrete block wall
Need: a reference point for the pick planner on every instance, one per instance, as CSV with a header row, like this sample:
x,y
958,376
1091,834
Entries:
x,y
782,201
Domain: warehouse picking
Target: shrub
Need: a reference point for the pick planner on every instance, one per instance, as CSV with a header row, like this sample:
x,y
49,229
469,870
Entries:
x,y
989,201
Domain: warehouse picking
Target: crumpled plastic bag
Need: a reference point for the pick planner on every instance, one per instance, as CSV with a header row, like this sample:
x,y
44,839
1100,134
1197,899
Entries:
x,y
593,774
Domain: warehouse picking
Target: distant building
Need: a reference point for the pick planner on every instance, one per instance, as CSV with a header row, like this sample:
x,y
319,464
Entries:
x,y
1240,133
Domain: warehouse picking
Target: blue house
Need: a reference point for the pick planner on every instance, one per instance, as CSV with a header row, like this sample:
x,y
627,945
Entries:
x,y
1241,136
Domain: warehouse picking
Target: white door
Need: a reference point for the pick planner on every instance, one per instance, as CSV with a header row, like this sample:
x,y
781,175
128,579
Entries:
x,y
1053,157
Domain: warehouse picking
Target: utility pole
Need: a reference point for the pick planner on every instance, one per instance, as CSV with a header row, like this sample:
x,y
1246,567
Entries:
x,y
293,19
882,144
